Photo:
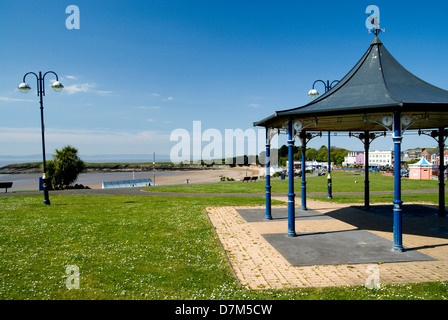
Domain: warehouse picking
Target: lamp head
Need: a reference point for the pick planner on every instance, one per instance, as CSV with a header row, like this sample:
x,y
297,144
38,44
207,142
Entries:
x,y
57,86
313,93
24,87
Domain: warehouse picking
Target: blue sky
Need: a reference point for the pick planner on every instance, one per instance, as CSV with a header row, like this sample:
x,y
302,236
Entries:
x,y
137,70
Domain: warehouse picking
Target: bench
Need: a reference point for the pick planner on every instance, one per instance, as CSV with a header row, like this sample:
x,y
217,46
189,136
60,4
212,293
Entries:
x,y
5,185
254,178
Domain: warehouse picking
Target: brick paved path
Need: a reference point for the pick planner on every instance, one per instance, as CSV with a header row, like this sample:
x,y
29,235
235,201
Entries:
x,y
258,265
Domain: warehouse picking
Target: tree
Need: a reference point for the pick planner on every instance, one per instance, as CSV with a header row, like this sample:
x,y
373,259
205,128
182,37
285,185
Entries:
x,y
407,163
311,154
283,152
338,155
65,167
322,154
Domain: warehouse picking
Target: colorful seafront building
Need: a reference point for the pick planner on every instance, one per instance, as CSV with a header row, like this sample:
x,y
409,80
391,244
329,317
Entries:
x,y
376,158
425,169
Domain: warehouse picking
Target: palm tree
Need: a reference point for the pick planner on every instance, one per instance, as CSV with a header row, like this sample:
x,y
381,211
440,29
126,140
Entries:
x,y
65,167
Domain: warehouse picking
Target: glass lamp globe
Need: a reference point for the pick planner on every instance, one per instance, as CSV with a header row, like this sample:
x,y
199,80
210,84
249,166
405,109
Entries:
x,y
313,93
24,87
57,86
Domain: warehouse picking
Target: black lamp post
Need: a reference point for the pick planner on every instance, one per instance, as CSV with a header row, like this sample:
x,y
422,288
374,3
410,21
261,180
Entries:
x,y
313,94
25,88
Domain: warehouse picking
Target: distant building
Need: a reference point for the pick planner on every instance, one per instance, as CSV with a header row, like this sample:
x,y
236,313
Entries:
x,y
360,159
310,165
381,158
350,159
411,155
432,156
353,158
376,158
421,170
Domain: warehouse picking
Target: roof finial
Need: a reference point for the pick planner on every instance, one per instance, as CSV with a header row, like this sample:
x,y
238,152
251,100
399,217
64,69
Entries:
x,y
377,31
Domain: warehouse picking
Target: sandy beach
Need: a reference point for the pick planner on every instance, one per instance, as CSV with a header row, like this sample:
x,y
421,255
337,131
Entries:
x,y
207,176
195,176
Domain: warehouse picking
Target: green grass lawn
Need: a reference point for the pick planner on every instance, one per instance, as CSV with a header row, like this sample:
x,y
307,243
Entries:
x,y
341,182
130,247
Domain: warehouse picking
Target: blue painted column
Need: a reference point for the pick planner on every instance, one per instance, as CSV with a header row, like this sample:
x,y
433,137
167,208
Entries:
x,y
442,212
291,195
397,138
329,195
268,215
366,173
303,141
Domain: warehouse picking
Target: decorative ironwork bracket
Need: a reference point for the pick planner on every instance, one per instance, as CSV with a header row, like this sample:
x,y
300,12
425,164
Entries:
x,y
271,132
372,136
406,121
434,134
300,125
308,136
410,120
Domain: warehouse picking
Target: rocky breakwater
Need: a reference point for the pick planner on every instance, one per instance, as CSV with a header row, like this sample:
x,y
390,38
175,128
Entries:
x,y
21,168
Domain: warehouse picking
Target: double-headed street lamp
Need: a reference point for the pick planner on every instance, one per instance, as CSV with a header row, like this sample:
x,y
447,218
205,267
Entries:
x,y
25,88
314,94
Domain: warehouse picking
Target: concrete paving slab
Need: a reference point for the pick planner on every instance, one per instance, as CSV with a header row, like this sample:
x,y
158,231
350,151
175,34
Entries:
x,y
409,210
339,247
257,215
443,230
335,247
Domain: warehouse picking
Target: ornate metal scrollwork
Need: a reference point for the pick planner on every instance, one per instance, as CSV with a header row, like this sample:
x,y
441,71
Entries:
x,y
387,120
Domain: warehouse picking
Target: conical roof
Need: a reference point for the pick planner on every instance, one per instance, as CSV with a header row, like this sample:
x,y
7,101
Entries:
x,y
421,163
377,83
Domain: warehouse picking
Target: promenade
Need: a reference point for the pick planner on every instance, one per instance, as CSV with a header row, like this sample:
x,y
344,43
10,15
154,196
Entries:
x,y
137,191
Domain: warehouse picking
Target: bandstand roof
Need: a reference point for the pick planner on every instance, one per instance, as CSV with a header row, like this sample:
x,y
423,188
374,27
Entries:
x,y
377,86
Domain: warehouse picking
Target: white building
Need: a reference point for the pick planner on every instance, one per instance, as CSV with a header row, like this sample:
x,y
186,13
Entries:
x,y
381,158
353,158
272,170
310,164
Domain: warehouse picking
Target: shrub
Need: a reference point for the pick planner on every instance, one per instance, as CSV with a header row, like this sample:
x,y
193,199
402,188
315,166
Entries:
x,y
65,167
